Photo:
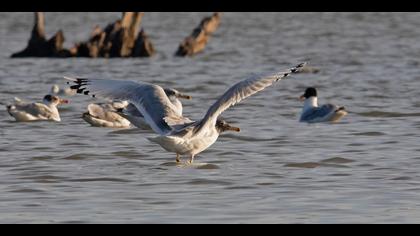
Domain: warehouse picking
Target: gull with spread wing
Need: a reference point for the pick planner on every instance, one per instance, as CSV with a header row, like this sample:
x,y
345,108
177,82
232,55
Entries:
x,y
121,114
178,134
132,114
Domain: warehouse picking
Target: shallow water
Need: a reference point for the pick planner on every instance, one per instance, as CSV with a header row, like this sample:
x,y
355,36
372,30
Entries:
x,y
364,169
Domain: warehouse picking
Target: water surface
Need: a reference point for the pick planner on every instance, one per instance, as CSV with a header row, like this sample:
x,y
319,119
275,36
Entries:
x,y
364,169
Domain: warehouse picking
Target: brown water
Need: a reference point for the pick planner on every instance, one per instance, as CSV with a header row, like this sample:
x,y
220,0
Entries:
x,y
364,169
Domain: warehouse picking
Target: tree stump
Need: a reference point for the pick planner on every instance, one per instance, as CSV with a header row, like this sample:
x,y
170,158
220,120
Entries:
x,y
210,24
118,39
92,47
143,47
130,26
197,41
38,46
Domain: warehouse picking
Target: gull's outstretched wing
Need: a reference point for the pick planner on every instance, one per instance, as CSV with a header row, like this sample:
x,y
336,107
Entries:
x,y
131,110
240,91
149,99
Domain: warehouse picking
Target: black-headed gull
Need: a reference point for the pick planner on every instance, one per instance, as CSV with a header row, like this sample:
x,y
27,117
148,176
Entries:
x,y
313,113
45,110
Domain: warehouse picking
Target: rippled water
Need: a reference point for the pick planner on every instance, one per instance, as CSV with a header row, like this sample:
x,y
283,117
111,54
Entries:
x,y
365,169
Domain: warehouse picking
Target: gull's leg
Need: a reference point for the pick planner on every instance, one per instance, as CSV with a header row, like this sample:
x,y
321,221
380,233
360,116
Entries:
x,y
191,159
177,158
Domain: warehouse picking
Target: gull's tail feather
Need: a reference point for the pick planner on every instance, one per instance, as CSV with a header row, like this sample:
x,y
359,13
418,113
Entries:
x,y
9,109
15,99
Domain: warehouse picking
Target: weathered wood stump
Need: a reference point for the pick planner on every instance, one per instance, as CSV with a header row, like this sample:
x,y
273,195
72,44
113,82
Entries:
x,y
39,46
143,47
118,39
130,28
197,41
92,47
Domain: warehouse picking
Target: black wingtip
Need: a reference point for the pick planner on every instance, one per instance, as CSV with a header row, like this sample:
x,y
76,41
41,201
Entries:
x,y
296,68
292,71
301,64
79,82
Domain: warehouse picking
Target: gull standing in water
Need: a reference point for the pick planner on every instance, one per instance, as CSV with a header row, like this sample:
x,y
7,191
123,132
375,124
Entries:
x,y
47,110
178,134
312,113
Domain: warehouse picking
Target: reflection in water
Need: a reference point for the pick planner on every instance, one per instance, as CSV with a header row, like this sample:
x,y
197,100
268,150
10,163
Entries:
x,y
387,114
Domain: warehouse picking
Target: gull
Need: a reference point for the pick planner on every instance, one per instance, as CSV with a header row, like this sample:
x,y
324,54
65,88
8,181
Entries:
x,y
312,113
178,134
173,96
134,116
45,110
55,90
106,115
121,114
131,113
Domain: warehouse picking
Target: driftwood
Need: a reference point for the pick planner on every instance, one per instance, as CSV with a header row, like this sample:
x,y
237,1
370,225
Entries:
x,y
39,46
143,47
130,28
118,39
92,47
197,41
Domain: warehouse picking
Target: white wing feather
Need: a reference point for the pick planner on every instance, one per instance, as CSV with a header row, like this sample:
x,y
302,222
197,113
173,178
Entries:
x,y
149,99
240,91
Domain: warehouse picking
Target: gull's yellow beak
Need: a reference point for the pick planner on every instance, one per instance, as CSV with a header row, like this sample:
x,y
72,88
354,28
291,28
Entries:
x,y
185,96
64,101
232,128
